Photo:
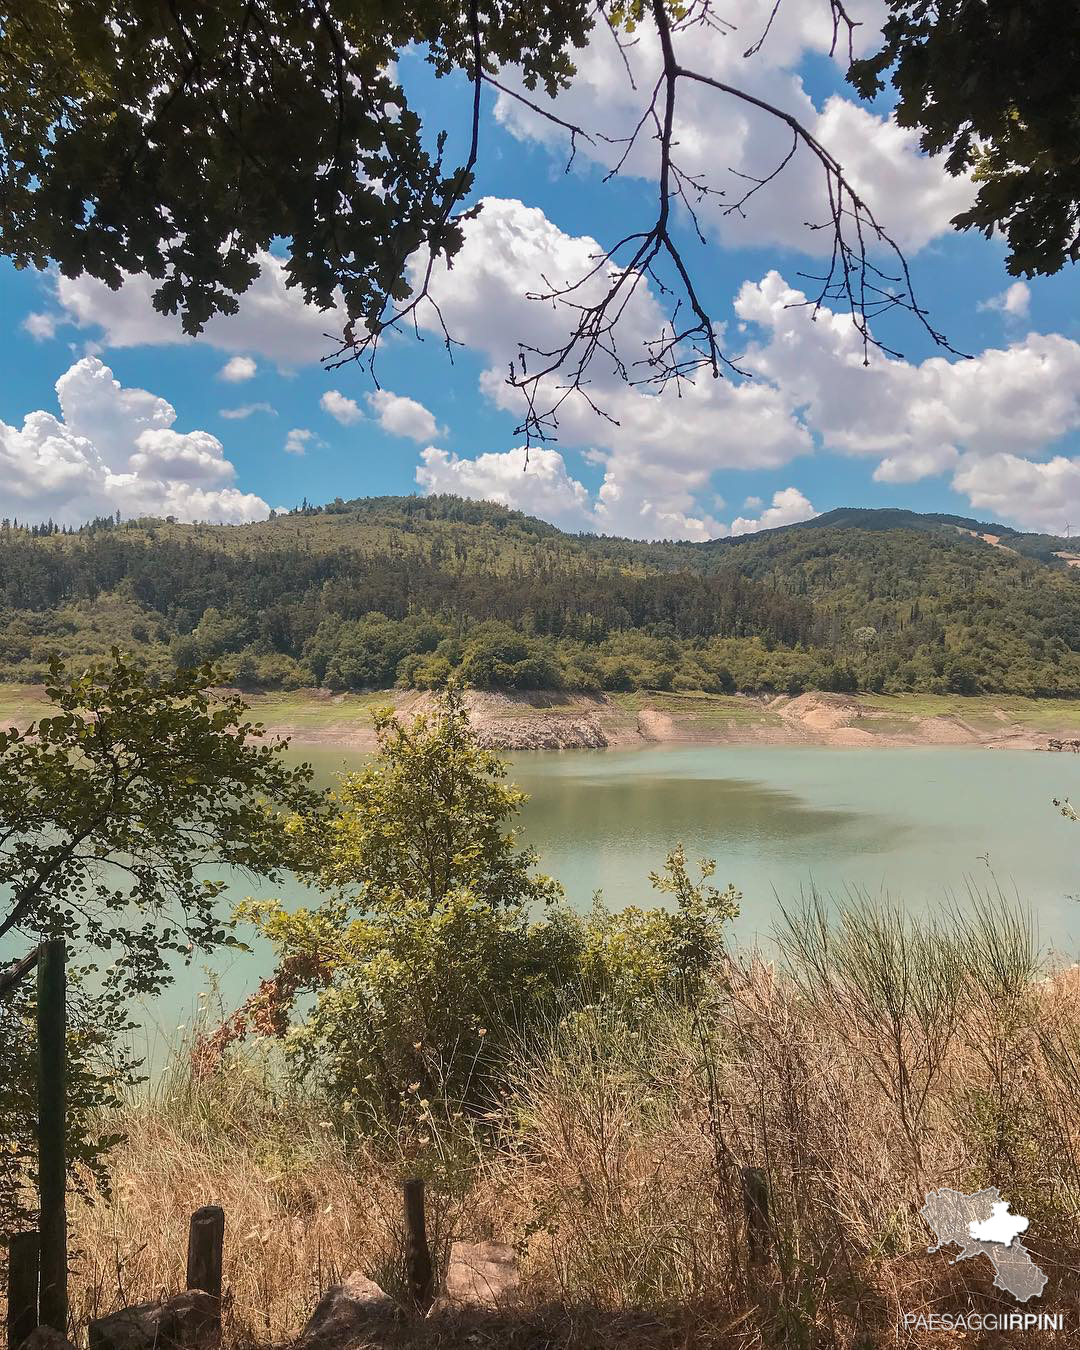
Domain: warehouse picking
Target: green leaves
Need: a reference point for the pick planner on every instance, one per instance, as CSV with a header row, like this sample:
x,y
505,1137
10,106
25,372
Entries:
x,y
437,948
994,87
112,806
179,140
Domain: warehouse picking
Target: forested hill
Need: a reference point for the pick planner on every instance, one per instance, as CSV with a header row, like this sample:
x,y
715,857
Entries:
x,y
406,590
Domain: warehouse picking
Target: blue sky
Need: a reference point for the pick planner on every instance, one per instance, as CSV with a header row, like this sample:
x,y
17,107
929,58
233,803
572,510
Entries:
x,y
997,436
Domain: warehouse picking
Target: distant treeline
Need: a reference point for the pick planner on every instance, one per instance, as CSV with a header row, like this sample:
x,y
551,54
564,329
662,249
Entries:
x,y
409,590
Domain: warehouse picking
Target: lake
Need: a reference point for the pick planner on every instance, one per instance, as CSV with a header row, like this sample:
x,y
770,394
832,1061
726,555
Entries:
x,y
917,824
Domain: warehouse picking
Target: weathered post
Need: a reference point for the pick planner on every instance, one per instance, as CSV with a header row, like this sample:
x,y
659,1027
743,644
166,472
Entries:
x,y
22,1288
418,1267
52,1156
205,1252
755,1191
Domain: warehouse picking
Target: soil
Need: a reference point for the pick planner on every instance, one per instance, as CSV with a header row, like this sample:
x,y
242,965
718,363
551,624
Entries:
x,y
560,721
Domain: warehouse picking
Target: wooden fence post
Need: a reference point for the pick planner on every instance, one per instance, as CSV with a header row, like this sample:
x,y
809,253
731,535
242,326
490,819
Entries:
x,y
52,1154
22,1288
205,1252
755,1190
418,1267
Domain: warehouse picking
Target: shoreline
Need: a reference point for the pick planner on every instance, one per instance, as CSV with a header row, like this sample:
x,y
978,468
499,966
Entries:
x,y
558,720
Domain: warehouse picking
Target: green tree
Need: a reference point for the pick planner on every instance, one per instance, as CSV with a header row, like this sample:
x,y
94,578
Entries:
x,y
993,86
179,140
112,806
426,950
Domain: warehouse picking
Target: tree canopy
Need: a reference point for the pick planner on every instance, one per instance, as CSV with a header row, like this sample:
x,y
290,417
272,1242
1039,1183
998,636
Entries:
x,y
180,141
112,804
993,85
409,591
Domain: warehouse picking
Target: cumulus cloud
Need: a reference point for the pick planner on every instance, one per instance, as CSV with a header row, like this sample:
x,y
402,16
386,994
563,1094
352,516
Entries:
x,y
112,449
658,451
342,409
789,506
1014,301
544,489
237,369
726,141
402,416
1043,496
298,440
977,419
273,321
40,326
246,410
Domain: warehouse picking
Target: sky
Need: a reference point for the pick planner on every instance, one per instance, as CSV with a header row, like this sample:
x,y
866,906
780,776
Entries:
x,y
105,405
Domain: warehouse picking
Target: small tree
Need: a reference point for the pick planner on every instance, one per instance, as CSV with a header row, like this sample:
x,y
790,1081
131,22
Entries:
x,y
425,951
438,945
111,806
109,809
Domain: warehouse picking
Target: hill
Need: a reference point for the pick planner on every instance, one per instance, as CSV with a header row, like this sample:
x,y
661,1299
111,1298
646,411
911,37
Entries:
x,y
406,590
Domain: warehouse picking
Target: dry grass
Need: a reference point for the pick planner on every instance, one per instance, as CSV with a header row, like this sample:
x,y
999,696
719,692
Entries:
x,y
877,1066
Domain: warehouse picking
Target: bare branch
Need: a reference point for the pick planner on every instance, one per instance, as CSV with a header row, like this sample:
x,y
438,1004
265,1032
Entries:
x,y
688,343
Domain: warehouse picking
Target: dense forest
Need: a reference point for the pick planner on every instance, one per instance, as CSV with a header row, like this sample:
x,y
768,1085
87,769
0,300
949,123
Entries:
x,y
409,590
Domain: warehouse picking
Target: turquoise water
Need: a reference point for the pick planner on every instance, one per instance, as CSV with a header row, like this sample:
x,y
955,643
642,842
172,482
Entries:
x,y
917,824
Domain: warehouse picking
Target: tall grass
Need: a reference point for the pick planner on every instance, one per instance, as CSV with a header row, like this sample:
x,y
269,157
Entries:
x,y
880,1055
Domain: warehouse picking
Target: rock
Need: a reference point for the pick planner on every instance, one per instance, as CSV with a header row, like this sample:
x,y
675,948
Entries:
x,y
190,1321
345,1312
132,1328
46,1338
480,1275
187,1321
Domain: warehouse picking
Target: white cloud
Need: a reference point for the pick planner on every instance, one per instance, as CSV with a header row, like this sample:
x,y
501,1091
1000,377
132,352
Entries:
x,y
237,368
344,410
544,489
1039,496
719,137
246,410
917,419
40,326
298,439
789,506
402,416
1014,301
751,503
658,450
115,449
273,321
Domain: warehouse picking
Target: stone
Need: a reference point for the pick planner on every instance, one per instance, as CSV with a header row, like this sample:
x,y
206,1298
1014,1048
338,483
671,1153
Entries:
x,y
345,1312
480,1275
187,1321
190,1321
46,1338
133,1328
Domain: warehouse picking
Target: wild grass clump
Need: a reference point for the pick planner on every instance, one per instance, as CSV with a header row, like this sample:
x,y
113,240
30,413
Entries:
x,y
879,1056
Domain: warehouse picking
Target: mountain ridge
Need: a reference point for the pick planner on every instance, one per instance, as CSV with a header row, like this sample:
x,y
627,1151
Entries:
x,y
409,590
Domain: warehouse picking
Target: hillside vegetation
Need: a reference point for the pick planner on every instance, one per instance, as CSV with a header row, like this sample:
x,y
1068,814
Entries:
x,y
407,590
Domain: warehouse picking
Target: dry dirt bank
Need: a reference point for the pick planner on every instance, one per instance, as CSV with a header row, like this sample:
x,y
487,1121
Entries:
x,y
558,721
